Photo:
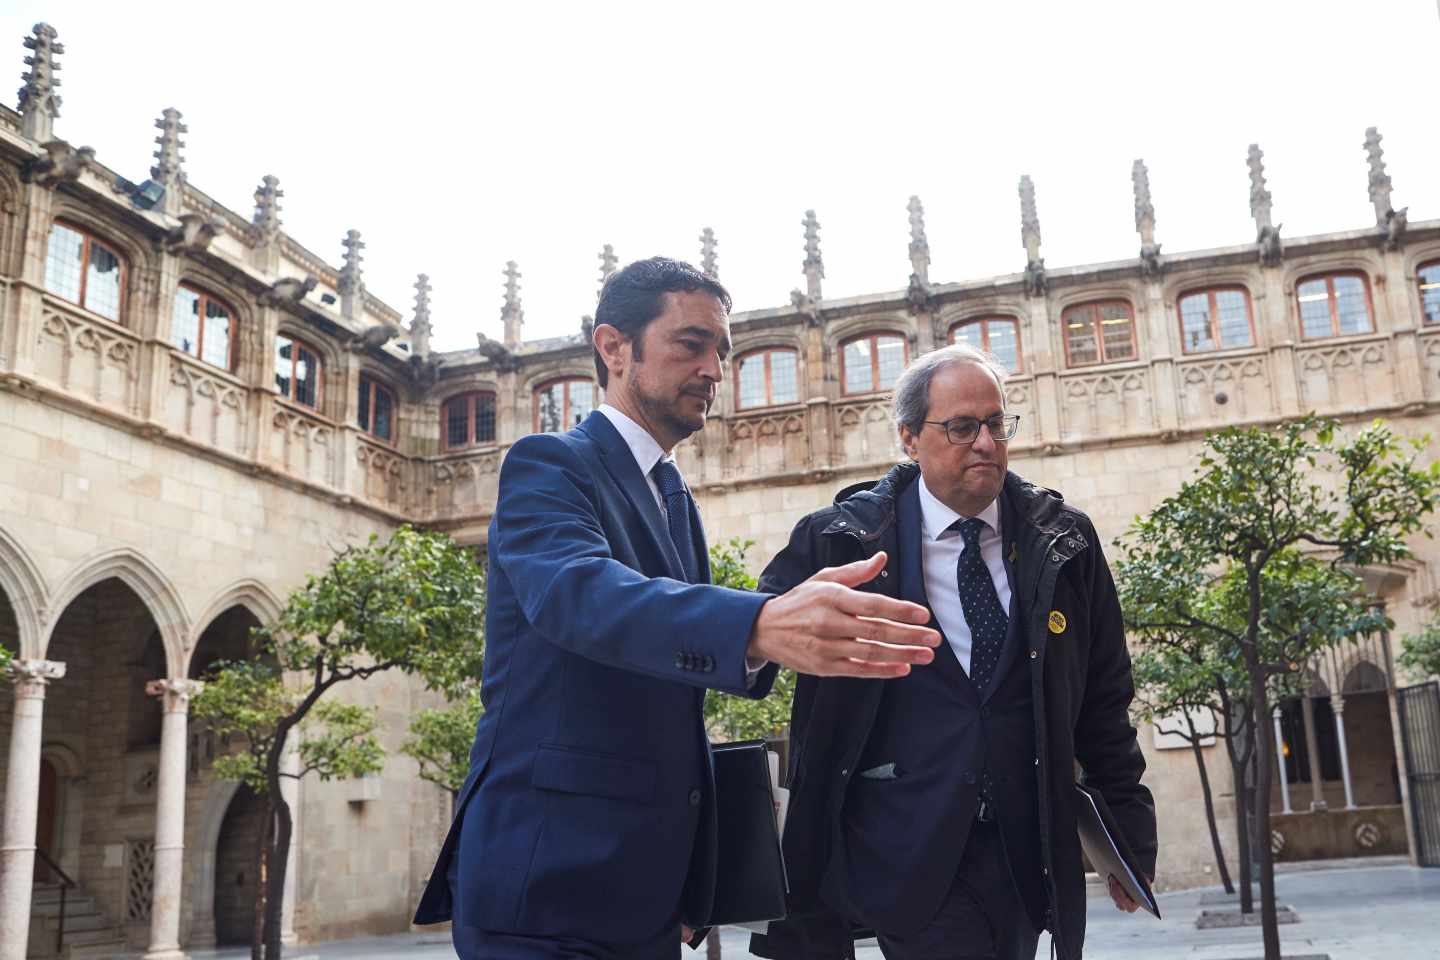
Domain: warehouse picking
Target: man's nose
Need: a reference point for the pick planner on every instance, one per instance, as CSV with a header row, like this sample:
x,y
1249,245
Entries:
x,y
714,366
983,442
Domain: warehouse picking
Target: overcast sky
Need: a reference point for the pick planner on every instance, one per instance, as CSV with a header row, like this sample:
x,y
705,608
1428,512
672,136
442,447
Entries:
x,y
458,136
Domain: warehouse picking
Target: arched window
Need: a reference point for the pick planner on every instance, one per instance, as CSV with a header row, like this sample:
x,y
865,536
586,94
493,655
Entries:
x,y
1334,305
1099,332
872,362
468,419
376,415
1215,319
562,404
297,371
767,378
999,336
1429,277
203,327
84,270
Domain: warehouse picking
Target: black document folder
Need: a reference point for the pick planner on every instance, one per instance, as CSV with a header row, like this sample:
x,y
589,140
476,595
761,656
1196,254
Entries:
x,y
1106,848
750,880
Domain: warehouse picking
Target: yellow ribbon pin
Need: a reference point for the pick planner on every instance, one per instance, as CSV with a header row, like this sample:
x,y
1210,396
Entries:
x,y
1057,621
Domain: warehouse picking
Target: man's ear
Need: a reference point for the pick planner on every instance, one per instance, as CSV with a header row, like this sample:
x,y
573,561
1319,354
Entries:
x,y
614,348
907,441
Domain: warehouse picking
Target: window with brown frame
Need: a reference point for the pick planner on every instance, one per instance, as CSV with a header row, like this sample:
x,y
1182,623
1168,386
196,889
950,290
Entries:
x,y
376,415
872,362
84,270
203,326
767,378
562,404
1098,332
998,336
297,371
468,419
1334,305
1429,277
1216,319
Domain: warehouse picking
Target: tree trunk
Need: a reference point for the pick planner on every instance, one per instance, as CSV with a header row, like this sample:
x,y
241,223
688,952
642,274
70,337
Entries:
x,y
1209,806
1269,925
712,944
275,876
257,931
1242,809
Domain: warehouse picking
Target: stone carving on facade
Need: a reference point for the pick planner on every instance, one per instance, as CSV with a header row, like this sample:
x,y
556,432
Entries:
x,y
35,672
497,353
39,101
1267,234
919,245
512,315
61,163
587,329
290,290
1150,265
193,235
168,170
814,265
265,224
1035,282
807,307
174,694
373,337
350,283
609,263
1392,222
709,260
424,365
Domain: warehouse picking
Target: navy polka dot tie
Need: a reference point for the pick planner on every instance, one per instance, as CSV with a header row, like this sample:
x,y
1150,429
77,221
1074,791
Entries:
x,y
984,616
680,510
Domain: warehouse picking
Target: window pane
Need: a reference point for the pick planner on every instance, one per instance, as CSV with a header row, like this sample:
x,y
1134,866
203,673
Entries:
x,y
102,283
1080,336
1195,323
284,365
362,416
1117,329
582,401
1350,301
1005,342
891,351
485,418
307,376
457,421
858,377
217,335
64,259
550,408
1234,315
1430,293
1314,300
971,333
751,381
185,322
384,412
784,377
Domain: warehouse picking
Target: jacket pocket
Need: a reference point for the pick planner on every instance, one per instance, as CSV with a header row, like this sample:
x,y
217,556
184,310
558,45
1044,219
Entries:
x,y
567,770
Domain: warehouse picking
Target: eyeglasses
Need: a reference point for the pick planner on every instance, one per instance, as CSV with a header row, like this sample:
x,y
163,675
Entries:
x,y
963,430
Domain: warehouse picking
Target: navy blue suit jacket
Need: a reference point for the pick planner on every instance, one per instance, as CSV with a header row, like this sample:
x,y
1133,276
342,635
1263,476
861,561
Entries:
x,y
587,812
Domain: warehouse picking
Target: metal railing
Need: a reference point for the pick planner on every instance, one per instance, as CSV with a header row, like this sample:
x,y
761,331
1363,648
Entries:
x,y
66,885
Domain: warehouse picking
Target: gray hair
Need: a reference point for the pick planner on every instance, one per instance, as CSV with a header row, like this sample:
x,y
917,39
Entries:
x,y
911,404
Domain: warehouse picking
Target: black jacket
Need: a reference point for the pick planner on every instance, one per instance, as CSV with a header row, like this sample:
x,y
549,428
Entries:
x,y
1080,679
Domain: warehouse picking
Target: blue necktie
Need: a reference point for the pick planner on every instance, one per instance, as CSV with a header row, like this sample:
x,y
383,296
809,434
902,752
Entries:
x,y
680,511
986,619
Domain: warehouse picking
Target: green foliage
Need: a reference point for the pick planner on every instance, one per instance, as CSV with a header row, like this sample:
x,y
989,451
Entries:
x,y
5,657
730,717
1421,653
440,740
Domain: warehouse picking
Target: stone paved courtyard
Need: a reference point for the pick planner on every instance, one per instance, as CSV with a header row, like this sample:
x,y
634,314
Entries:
x,y
1387,911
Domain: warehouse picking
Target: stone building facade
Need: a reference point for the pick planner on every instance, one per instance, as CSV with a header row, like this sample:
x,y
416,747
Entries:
x,y
195,410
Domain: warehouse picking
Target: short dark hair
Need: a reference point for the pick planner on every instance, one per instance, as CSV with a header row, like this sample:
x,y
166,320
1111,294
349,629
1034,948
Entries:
x,y
635,296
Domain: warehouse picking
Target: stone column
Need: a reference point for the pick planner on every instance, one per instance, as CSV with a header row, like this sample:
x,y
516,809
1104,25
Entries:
x,y
1280,762
1312,747
170,817
1337,704
22,798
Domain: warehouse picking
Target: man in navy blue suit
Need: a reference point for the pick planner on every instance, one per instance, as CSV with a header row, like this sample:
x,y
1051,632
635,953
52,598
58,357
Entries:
x,y
586,827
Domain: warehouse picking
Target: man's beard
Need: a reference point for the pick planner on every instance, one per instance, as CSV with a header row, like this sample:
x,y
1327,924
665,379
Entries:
x,y
668,413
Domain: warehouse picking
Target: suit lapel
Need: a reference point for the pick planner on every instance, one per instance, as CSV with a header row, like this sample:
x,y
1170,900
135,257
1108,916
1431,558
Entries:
x,y
618,459
1010,528
912,581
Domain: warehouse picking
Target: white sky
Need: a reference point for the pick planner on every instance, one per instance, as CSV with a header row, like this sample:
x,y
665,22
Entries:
x,y
458,136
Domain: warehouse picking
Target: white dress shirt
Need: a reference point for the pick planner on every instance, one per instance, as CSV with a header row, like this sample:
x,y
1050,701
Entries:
x,y
940,550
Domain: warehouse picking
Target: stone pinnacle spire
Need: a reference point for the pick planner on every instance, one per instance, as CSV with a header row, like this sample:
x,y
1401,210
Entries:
x,y
1035,282
814,265
350,284
39,103
919,246
709,260
512,315
420,328
168,171
266,222
1267,234
1145,219
609,263
1379,179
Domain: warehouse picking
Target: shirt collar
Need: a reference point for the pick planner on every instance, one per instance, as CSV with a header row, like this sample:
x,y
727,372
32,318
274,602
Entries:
x,y
936,518
642,446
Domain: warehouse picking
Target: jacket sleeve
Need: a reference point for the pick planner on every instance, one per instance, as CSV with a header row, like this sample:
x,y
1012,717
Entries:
x,y
548,540
1106,743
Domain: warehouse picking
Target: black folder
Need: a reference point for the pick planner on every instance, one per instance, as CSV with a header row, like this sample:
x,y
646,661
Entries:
x,y
1106,848
750,882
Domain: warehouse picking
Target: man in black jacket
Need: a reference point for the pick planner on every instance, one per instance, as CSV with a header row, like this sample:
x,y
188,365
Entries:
x,y
938,810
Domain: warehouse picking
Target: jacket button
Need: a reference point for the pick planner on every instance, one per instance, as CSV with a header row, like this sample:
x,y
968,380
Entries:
x,y
708,664
695,797
1055,557
885,573
845,771
1034,654
840,524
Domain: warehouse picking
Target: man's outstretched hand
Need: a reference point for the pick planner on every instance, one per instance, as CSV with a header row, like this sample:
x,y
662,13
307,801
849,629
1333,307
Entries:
x,y
824,628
